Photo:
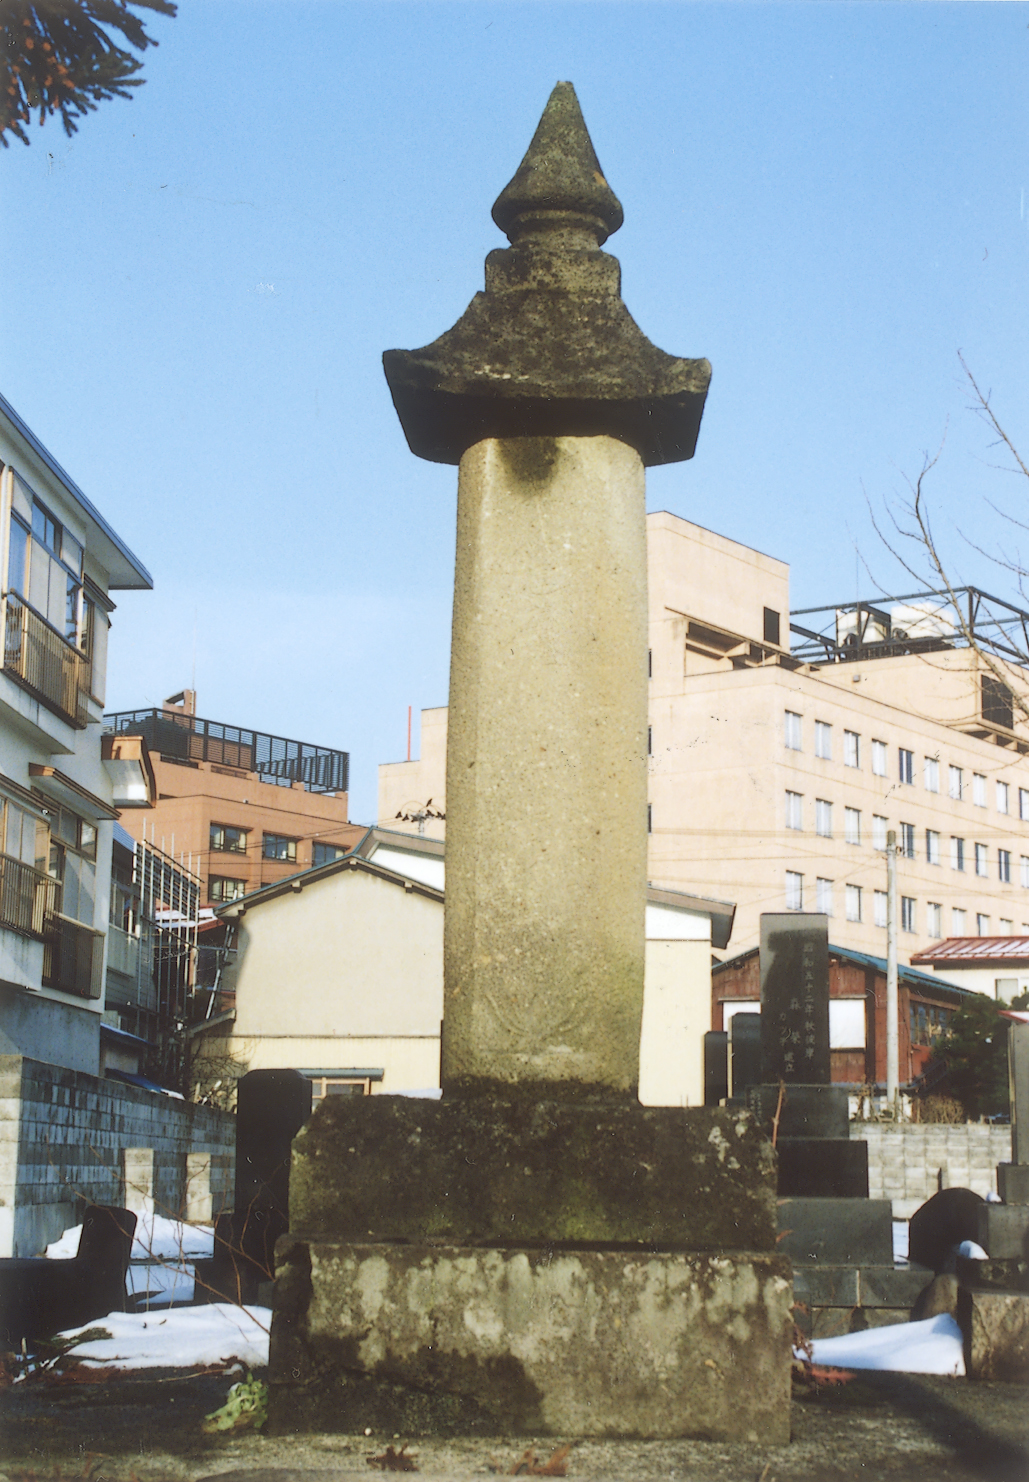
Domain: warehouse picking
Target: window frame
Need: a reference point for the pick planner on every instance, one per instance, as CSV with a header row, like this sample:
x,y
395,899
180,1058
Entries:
x,y
275,840
241,844
220,895
905,766
823,740
851,748
793,736
880,758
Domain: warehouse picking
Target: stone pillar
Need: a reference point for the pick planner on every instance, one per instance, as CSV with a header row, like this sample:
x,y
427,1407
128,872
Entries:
x,y
546,770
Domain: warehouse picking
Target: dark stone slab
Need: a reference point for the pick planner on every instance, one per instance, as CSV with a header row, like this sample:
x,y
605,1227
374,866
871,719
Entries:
x,y
1003,1231
795,998
478,1172
826,1286
39,1297
893,1286
836,1232
745,1052
821,1167
805,1111
995,1326
549,349
1002,1276
942,1223
271,1108
716,1067
1013,1182
1018,1071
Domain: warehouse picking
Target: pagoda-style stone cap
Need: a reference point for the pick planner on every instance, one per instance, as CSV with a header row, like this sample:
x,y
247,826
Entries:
x,y
550,350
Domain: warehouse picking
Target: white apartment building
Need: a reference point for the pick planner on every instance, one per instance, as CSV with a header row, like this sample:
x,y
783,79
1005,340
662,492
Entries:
x,y
61,782
777,773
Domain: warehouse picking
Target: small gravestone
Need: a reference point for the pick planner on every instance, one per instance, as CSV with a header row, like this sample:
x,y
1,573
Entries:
x,y
744,1053
716,1067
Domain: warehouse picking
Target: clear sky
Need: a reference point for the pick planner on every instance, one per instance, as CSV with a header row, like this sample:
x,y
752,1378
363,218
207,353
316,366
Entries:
x,y
826,200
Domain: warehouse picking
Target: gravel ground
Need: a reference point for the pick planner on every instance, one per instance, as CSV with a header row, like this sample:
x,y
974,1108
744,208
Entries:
x,y
147,1429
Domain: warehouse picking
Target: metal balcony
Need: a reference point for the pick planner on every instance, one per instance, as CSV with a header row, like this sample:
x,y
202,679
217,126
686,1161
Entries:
x,y
38,656
27,897
73,958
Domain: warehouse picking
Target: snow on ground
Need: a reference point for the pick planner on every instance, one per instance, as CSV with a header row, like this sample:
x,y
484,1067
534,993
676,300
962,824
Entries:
x,y
930,1347
156,1238
181,1338
900,1241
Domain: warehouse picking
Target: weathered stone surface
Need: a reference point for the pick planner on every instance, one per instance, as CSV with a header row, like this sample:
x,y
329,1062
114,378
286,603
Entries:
x,y
546,788
939,1297
1003,1231
1003,1276
838,1232
475,1172
587,1343
1018,1072
795,998
550,350
1013,1182
995,1326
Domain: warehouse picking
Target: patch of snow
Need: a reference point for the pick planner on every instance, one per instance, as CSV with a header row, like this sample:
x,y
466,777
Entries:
x,y
159,1282
972,1251
183,1338
930,1347
158,1238
992,1197
900,1240
65,1248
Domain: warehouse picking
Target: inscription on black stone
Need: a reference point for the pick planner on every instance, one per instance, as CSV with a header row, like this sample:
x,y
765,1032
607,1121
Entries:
x,y
795,999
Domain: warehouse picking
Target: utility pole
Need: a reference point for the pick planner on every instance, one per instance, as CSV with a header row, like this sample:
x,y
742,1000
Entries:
x,y
892,1015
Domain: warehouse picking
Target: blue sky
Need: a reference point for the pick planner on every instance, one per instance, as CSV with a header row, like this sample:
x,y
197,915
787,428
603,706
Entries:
x,y
826,200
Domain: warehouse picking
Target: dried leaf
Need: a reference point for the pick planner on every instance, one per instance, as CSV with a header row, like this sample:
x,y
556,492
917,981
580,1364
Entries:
x,y
528,1466
394,1461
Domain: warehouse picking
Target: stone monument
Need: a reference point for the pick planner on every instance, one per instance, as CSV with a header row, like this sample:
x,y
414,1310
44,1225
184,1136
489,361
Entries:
x,y
537,1252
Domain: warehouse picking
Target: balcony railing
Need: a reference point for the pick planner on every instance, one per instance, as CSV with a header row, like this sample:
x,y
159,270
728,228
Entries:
x,y
40,658
27,898
73,958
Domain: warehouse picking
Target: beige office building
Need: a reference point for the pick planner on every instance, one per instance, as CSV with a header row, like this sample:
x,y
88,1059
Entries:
x,y
776,772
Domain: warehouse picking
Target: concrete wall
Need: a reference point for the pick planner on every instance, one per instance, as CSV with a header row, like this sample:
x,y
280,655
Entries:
x,y
905,1162
676,1016
64,1136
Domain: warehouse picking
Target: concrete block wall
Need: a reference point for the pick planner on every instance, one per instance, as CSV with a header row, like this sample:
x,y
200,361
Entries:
x,y
64,1136
905,1162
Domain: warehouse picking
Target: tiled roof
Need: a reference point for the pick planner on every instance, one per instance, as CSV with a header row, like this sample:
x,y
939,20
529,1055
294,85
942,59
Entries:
x,y
972,950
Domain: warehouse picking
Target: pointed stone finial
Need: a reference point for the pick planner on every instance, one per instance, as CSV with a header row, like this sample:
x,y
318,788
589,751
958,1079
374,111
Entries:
x,y
559,182
549,349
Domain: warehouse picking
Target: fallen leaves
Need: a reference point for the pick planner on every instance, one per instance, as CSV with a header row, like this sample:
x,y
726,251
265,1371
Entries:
x,y
528,1466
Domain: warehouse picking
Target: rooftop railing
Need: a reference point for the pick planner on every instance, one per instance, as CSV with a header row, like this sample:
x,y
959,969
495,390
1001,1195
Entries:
x,y
188,738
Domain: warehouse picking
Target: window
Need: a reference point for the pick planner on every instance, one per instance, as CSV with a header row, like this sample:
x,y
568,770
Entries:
x,y
879,758
1003,797
853,902
1024,876
792,731
906,765
981,867
72,862
907,913
1007,928
880,907
852,825
957,854
958,922
1004,866
982,924
44,564
1023,803
978,789
932,846
340,1085
851,749
880,828
823,819
956,783
928,1023
650,740
823,740
907,840
998,702
227,839
220,889
823,896
771,626
277,846
1005,988
650,818
794,891
794,810
25,836
934,919
931,774
326,853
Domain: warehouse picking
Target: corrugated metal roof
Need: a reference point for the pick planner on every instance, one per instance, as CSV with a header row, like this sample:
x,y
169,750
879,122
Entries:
x,y
972,950
910,975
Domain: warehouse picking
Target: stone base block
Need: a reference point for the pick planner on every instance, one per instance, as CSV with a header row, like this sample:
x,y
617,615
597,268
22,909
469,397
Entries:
x,y
996,1332
837,1232
806,1111
1013,1182
1004,1231
823,1167
436,1340
997,1276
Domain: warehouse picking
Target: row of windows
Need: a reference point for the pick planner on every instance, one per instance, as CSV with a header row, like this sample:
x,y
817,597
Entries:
x,y
222,888
957,783
856,907
906,838
226,839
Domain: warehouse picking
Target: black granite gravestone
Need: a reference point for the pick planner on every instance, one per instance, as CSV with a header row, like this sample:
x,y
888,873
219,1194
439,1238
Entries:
x,y
744,1053
716,1067
795,999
